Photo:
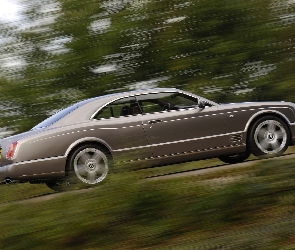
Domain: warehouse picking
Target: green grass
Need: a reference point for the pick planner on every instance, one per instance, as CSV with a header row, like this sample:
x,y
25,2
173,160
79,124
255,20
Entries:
x,y
245,208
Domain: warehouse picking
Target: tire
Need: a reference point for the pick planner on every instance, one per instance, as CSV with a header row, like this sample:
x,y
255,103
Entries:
x,y
268,137
57,185
236,158
87,165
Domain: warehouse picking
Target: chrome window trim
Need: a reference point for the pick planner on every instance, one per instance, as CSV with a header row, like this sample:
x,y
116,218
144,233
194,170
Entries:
x,y
151,92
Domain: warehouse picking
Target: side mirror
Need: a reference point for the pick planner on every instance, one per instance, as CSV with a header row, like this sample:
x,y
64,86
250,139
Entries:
x,y
202,104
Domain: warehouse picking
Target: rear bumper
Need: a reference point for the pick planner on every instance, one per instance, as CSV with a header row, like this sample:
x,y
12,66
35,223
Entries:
x,y
3,173
49,168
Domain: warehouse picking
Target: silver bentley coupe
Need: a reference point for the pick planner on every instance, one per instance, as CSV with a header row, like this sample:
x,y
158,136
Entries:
x,y
84,142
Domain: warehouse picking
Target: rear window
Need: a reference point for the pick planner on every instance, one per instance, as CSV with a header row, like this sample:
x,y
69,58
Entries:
x,y
59,115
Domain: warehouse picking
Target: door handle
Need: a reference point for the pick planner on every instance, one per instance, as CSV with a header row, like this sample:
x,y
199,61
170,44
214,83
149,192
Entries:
x,y
154,121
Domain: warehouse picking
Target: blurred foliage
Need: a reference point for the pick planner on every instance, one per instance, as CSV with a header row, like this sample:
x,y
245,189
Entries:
x,y
68,50
254,211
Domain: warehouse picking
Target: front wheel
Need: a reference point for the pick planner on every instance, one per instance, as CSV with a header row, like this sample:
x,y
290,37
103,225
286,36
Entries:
x,y
235,158
268,137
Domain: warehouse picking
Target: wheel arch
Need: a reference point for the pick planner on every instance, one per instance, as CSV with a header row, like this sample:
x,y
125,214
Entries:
x,y
87,140
265,113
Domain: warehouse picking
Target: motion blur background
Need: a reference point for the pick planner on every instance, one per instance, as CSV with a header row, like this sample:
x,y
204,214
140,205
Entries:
x,y
56,52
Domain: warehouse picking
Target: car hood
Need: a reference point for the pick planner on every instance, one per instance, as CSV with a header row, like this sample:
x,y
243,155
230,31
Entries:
x,y
260,104
281,107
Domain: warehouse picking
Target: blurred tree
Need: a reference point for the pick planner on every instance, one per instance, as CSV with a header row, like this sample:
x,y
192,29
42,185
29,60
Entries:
x,y
275,81
219,48
232,50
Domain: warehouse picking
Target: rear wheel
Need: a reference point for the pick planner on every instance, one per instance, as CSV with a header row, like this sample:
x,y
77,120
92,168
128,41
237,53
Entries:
x,y
87,165
268,137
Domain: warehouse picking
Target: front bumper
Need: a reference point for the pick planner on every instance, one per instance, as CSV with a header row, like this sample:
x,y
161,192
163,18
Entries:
x,y
292,128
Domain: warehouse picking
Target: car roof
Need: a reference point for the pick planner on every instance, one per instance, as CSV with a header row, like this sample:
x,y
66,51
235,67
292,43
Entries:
x,y
135,92
83,110
99,101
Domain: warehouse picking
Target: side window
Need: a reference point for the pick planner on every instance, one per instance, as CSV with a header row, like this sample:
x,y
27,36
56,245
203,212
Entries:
x,y
182,101
157,102
151,106
122,107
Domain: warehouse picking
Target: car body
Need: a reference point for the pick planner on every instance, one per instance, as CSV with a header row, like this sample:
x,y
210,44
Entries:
x,y
143,128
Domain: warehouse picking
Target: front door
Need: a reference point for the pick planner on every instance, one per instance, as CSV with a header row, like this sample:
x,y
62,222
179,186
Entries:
x,y
175,125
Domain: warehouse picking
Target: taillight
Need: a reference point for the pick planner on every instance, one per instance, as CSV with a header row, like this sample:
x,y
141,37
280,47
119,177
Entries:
x,y
11,151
